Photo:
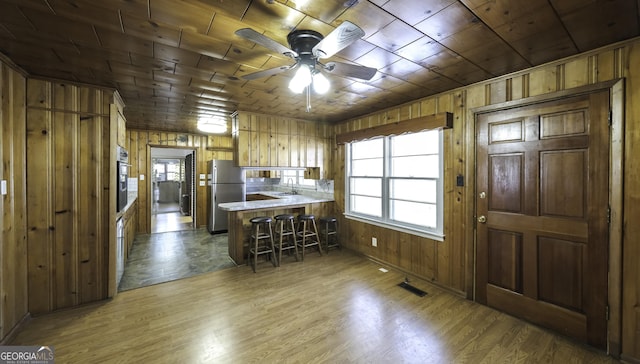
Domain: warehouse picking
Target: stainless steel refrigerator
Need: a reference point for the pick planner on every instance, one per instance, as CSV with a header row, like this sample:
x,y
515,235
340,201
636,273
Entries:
x,y
226,183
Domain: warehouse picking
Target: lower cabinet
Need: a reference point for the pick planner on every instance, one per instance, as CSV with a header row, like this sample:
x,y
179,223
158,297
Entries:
x,y
130,219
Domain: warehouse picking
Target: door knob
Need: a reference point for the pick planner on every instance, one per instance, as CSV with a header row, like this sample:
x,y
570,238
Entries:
x,y
482,219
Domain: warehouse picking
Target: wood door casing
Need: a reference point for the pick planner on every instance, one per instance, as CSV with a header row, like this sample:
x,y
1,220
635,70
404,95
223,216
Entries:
x,y
542,183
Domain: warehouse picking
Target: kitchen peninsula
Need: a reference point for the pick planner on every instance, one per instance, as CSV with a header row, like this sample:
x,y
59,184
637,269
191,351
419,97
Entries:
x,y
268,203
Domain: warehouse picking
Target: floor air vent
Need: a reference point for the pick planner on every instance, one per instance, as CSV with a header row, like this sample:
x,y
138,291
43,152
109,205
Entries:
x,y
412,289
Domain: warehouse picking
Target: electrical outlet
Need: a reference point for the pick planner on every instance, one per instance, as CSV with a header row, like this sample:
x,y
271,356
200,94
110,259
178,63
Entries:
x,y
374,242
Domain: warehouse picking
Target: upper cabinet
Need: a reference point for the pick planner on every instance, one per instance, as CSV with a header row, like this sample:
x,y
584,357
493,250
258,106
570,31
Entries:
x,y
271,141
117,115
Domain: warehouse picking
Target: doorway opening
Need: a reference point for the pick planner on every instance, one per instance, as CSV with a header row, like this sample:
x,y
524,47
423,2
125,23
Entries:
x,y
172,189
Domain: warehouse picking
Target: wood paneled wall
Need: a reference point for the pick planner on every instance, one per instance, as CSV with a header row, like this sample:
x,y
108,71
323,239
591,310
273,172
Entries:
x,y
426,258
68,147
450,263
207,147
13,205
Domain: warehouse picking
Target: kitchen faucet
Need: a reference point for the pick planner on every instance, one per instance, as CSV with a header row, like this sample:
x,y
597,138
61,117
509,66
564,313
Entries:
x,y
293,192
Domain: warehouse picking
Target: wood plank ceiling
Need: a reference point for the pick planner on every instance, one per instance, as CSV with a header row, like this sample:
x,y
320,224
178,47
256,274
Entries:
x,y
173,60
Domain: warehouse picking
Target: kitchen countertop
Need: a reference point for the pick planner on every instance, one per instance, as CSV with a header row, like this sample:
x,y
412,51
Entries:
x,y
281,199
131,198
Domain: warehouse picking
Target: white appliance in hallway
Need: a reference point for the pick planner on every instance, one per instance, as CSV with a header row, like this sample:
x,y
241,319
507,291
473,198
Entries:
x,y
119,250
226,184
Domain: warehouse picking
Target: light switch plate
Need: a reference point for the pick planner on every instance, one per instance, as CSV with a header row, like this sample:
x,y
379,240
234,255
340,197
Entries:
x,y
202,183
202,176
142,177
3,187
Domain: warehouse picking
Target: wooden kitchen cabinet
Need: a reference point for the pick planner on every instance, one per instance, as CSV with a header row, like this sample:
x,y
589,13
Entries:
x,y
272,141
130,220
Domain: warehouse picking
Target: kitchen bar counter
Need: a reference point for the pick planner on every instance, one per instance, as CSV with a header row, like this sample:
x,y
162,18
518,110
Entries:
x,y
278,203
277,200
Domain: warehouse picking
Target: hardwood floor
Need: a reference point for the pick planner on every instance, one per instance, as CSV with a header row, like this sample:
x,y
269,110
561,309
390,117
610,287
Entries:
x,y
166,217
337,308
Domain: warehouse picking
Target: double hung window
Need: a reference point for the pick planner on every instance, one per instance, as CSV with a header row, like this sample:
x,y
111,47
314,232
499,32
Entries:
x,y
396,181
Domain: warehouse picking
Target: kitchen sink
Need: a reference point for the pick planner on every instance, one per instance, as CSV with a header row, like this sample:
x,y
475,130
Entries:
x,y
285,193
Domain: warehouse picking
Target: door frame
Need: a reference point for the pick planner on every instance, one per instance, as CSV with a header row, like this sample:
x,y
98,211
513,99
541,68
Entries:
x,y
149,170
616,153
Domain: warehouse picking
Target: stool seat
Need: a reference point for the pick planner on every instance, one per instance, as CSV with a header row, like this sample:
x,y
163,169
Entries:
x,y
261,220
284,217
261,241
328,219
306,217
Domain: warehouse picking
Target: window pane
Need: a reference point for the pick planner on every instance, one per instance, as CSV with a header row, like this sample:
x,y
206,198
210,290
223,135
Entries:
x,y
415,143
415,190
413,213
367,167
366,205
367,149
415,166
366,186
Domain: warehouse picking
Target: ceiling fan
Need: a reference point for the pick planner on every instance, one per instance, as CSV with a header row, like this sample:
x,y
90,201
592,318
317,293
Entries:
x,y
307,47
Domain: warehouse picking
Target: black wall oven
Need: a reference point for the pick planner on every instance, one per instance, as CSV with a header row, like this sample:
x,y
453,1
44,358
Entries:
x,y
122,168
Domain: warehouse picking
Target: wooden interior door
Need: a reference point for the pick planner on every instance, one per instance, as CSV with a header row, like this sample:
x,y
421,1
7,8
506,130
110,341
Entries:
x,y
542,210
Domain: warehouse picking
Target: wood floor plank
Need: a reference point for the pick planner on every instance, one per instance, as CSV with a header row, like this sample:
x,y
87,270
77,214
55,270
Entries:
x,y
337,308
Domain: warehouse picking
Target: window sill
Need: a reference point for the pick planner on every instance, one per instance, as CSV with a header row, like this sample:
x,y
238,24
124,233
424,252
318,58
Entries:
x,y
423,234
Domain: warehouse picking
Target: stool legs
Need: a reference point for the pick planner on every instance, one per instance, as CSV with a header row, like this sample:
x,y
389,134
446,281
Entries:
x,y
307,234
286,229
265,248
329,231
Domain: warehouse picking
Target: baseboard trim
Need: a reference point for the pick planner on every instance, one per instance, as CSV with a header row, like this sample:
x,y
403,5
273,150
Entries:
x,y
409,274
16,329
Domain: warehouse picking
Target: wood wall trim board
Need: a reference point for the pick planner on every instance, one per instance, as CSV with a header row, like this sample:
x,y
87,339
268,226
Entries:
x,y
13,216
631,208
440,120
616,235
556,95
15,330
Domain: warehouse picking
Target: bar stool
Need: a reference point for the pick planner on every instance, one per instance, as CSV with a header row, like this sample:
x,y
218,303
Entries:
x,y
307,233
261,241
285,235
329,231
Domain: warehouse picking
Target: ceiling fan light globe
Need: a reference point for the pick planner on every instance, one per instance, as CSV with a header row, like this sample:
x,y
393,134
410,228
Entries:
x,y
301,79
296,88
320,83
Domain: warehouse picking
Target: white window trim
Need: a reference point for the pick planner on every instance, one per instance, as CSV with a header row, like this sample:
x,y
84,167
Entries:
x,y
437,234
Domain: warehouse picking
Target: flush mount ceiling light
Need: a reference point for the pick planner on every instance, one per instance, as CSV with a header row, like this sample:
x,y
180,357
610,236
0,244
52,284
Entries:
x,y
306,48
212,125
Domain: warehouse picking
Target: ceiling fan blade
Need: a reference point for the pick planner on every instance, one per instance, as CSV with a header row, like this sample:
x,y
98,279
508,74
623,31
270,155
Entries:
x,y
263,40
345,34
350,70
265,73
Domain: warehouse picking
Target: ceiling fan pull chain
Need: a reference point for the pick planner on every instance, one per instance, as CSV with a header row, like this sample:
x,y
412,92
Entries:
x,y
308,98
